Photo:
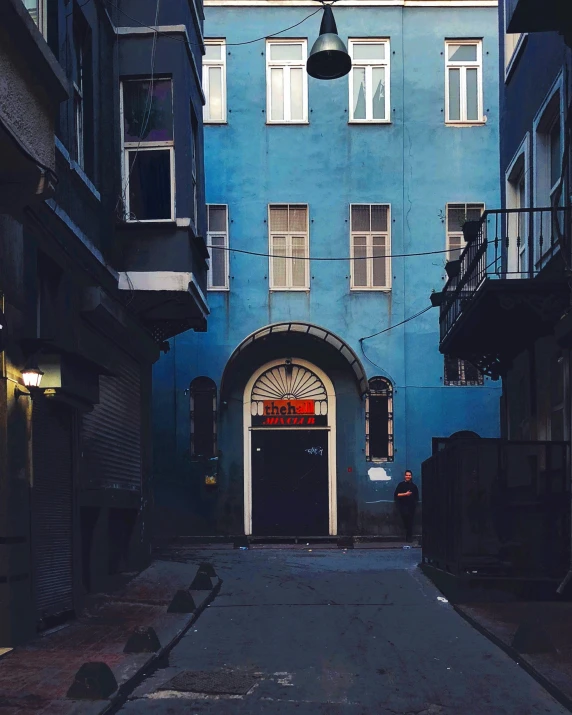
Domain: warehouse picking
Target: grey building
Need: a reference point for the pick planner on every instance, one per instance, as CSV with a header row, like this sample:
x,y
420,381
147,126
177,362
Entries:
x,y
102,259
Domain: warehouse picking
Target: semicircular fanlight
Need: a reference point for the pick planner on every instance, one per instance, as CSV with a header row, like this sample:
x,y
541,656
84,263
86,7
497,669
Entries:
x,y
299,383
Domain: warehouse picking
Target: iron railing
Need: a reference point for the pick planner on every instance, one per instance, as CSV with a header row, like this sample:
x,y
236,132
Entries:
x,y
497,507
508,243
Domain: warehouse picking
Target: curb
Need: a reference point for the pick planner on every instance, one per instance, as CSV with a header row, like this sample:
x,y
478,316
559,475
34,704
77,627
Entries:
x,y
519,659
119,698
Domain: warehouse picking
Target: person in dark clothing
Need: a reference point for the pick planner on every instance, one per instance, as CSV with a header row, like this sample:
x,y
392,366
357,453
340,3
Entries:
x,y
406,497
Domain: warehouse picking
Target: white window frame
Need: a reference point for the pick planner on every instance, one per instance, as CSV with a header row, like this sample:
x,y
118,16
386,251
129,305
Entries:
x,y
210,236
207,64
368,65
78,109
286,65
463,66
369,250
288,258
458,231
541,164
522,156
127,147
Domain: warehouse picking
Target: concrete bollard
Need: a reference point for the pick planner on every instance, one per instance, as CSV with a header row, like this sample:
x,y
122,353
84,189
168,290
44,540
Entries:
x,y
345,542
93,681
208,569
182,603
201,582
142,640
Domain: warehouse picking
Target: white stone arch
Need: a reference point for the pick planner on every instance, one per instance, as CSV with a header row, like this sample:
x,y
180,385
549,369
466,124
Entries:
x,y
331,429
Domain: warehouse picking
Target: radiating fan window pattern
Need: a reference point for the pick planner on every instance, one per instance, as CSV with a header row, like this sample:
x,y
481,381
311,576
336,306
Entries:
x,y
289,383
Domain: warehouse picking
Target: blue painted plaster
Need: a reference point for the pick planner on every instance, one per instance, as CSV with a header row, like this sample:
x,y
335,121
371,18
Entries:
x,y
418,165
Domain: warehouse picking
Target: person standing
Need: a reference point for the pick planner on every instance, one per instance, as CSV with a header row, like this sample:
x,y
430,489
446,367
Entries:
x,y
406,497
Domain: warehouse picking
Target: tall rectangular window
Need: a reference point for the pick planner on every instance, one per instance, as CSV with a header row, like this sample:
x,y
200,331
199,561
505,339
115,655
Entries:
x,y
369,81
214,81
194,165
37,10
464,81
457,214
217,243
288,229
148,146
80,80
379,420
370,246
286,81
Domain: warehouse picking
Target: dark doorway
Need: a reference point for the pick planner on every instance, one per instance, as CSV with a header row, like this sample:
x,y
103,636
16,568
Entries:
x,y
290,483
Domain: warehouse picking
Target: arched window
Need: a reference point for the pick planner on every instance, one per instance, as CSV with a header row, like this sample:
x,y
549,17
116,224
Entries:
x,y
379,421
203,418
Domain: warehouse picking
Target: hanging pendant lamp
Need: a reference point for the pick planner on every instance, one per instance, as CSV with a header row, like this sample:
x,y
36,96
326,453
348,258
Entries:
x,y
329,58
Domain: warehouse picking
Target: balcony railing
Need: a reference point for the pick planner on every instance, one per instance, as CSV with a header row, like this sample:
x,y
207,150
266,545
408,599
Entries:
x,y
507,243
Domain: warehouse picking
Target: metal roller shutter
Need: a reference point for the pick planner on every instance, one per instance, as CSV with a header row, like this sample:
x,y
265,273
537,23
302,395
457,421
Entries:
x,y
111,434
52,506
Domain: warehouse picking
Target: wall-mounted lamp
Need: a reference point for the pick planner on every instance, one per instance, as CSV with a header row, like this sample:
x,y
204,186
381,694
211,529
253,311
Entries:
x,y
32,377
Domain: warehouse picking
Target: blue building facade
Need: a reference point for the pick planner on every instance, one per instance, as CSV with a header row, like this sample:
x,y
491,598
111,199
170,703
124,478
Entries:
x,y
382,166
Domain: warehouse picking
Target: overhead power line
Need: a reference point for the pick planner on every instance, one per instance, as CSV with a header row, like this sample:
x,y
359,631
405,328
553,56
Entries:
x,y
330,258
170,36
385,330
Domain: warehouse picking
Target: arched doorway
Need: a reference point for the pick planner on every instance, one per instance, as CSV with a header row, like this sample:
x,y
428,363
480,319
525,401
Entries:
x,y
289,450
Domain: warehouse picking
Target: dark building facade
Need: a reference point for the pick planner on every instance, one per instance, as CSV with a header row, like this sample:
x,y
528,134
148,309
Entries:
x,y
102,259
506,307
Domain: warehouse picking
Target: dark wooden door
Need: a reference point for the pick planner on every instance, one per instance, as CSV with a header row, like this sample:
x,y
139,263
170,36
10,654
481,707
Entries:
x,y
290,483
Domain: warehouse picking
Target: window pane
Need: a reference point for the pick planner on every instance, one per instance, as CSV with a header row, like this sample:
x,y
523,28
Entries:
x,y
213,52
32,6
555,152
296,93
456,245
378,92
455,216
379,264
277,94
369,51
462,53
215,93
279,264
298,221
148,111
472,95
217,218
358,107
454,95
298,266
360,218
149,184
452,372
279,218
474,212
472,375
360,266
218,262
379,218
378,427
285,51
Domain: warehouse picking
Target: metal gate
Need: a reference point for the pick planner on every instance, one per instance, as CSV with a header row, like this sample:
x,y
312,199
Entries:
x,y
111,434
52,507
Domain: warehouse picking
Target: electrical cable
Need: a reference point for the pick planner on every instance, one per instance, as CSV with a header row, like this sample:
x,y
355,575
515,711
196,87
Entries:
x,y
170,36
385,330
332,258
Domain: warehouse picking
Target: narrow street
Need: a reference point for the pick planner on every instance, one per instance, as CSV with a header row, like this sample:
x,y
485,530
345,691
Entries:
x,y
340,632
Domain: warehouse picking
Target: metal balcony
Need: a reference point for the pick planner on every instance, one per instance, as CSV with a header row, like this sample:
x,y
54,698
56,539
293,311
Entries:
x,y
508,287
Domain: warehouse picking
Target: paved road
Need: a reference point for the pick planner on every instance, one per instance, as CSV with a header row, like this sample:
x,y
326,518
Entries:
x,y
342,633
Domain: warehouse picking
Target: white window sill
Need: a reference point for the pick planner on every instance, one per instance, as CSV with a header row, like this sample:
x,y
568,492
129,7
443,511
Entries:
x,y
370,290
369,121
479,123
289,290
218,290
134,222
286,124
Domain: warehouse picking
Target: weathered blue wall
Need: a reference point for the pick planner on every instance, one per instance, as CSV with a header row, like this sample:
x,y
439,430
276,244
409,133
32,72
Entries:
x,y
417,164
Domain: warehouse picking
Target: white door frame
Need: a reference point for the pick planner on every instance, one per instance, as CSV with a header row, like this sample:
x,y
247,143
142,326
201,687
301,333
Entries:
x,y
331,429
